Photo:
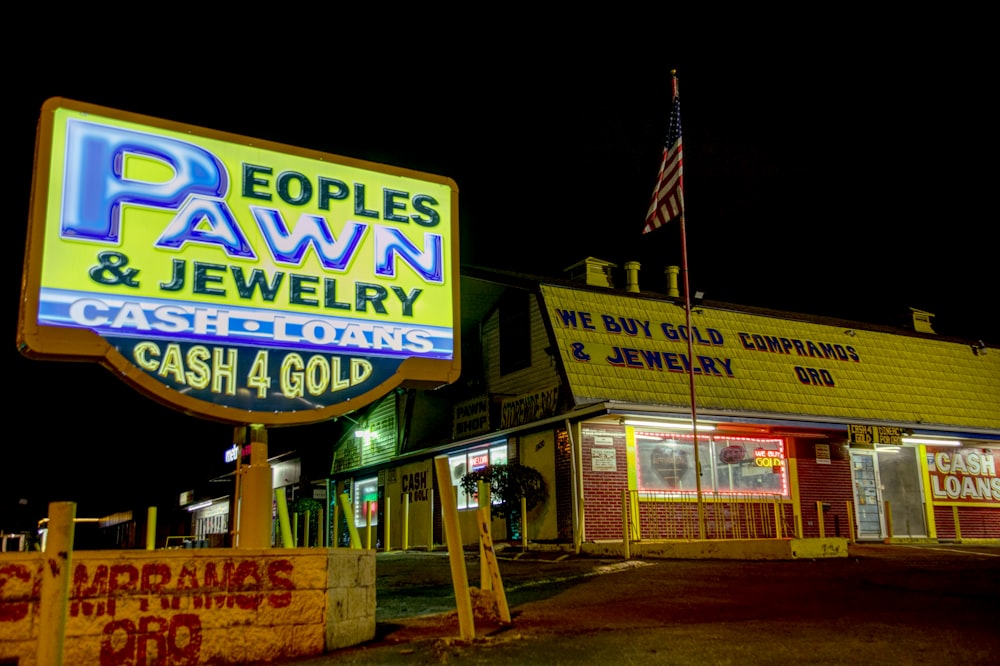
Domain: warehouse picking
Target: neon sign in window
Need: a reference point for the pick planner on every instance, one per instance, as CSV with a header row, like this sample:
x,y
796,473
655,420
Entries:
x,y
471,461
665,461
365,494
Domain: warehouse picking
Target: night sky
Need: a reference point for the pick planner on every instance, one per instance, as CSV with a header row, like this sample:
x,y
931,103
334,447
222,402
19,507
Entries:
x,y
850,182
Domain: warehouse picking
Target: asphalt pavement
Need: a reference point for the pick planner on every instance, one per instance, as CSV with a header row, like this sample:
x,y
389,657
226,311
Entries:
x,y
883,604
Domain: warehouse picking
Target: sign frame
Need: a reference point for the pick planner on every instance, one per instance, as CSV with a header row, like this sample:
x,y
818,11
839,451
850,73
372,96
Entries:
x,y
46,341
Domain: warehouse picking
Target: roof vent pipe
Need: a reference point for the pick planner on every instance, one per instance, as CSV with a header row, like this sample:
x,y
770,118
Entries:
x,y
672,273
632,276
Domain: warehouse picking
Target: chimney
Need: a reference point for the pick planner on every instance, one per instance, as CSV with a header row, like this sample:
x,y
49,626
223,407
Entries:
x,y
672,273
591,271
632,276
922,321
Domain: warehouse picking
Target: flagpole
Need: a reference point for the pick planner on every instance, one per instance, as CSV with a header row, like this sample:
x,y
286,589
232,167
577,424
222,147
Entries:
x,y
668,203
694,410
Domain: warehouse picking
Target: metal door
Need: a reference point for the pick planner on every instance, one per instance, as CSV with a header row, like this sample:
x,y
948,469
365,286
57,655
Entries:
x,y
870,522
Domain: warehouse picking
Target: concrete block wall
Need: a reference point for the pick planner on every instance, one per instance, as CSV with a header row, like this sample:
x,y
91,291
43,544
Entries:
x,y
202,606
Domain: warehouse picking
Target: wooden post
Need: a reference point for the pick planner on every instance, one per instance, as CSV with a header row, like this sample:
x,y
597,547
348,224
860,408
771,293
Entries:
x,y
958,525
456,553
386,517
850,522
406,521
485,581
345,505
626,546
255,514
524,524
494,568
819,519
430,530
151,528
368,525
335,525
888,519
287,539
53,601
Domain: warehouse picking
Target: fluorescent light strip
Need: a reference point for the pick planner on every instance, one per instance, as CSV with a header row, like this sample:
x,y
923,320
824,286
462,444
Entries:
x,y
933,442
668,425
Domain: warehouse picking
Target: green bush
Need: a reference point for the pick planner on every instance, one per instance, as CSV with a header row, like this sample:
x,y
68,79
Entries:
x,y
508,483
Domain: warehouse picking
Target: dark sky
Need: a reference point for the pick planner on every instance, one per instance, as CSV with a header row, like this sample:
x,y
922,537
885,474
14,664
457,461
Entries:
x,y
851,182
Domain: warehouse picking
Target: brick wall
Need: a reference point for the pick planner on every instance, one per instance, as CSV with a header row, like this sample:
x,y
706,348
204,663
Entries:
x,y
831,484
977,522
603,497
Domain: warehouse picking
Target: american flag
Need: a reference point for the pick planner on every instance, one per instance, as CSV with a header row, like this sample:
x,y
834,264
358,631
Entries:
x,y
668,197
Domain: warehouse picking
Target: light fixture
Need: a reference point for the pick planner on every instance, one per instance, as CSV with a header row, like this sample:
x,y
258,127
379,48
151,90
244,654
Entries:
x,y
888,449
201,505
850,332
931,441
699,296
668,425
979,349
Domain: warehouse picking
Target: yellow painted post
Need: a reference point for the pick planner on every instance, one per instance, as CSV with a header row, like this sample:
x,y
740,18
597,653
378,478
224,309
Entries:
x,y
368,525
888,519
53,602
305,528
524,524
336,525
430,529
345,506
626,546
958,525
387,517
819,519
287,540
485,582
850,521
151,528
777,519
294,519
255,513
494,568
456,553
321,529
406,521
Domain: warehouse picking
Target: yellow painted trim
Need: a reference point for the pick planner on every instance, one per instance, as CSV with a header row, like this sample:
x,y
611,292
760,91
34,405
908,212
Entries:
x,y
633,481
793,486
928,498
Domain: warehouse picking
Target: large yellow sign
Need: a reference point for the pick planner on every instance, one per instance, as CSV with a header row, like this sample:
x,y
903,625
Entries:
x,y
237,279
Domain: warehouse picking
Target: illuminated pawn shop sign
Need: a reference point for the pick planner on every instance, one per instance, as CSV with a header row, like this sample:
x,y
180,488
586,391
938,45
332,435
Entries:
x,y
233,278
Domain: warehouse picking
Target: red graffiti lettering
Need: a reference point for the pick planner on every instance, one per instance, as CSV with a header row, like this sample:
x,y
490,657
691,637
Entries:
x,y
113,637
274,574
212,578
154,577
157,641
12,611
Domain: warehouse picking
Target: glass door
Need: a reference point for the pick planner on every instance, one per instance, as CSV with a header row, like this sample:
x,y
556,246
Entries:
x,y
902,489
867,496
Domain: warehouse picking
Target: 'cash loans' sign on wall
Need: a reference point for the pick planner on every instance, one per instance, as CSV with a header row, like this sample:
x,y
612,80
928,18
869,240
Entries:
x,y
233,278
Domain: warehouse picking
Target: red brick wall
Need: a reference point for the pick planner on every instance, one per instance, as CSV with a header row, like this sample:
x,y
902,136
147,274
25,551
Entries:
x,y
977,522
831,484
602,504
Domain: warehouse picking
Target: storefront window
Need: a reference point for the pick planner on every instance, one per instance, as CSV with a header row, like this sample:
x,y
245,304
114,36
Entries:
x,y
365,494
471,461
666,462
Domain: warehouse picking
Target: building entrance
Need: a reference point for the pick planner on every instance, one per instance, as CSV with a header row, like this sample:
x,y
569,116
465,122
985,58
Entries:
x,y
888,479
